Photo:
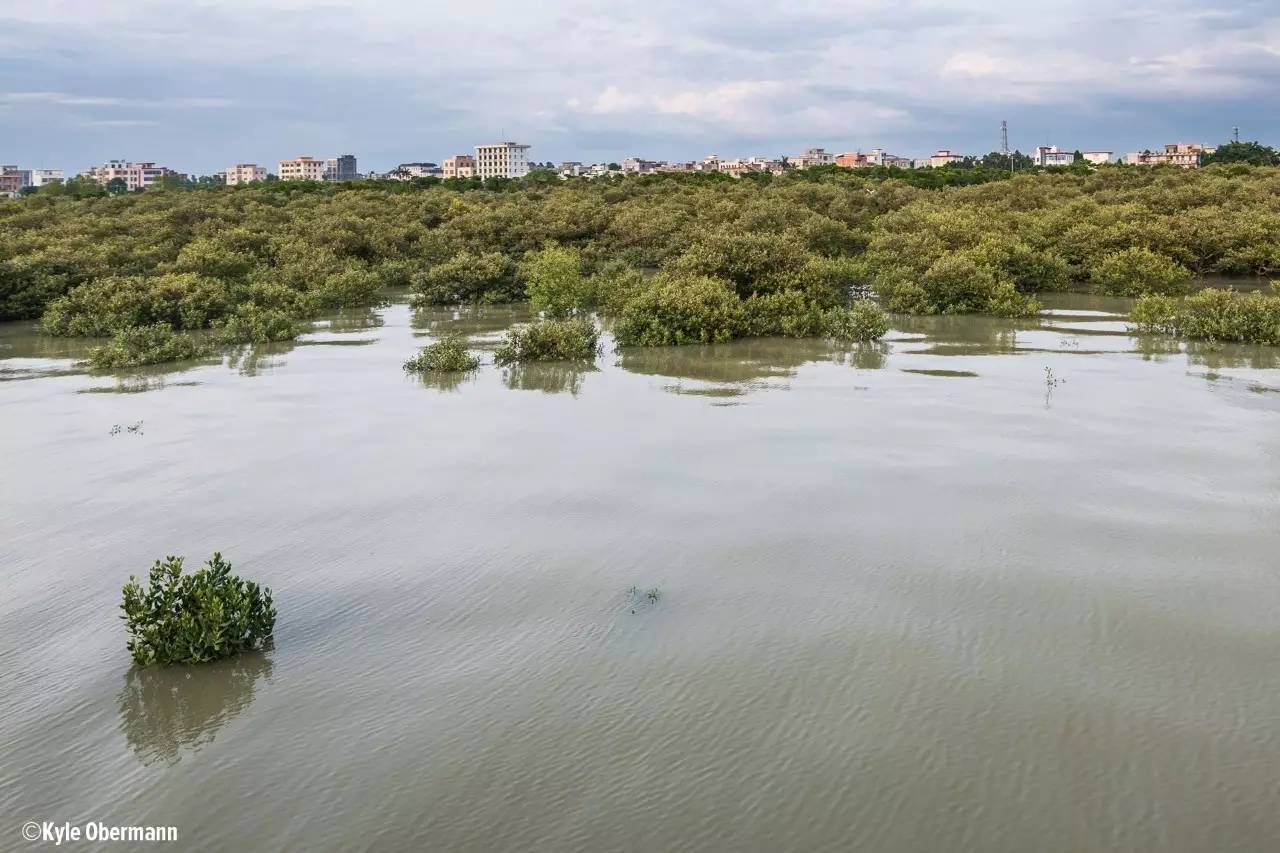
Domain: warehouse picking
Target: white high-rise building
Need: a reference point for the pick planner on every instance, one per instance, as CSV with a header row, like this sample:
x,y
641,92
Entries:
x,y
503,160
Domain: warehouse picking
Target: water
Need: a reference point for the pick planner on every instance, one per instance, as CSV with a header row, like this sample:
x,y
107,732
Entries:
x,y
925,595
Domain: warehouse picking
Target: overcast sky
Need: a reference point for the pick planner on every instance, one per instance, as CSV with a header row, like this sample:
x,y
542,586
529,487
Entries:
x,y
201,85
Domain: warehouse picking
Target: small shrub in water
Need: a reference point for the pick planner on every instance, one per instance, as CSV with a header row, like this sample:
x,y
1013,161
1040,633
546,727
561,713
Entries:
x,y
680,309
251,324
549,340
139,345
554,281
447,355
862,321
203,616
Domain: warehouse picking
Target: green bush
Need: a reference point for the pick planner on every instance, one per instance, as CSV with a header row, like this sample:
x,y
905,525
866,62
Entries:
x,y
1155,314
955,284
1136,271
140,345
467,277
549,340
203,616
447,355
862,321
680,309
251,324
783,313
1213,315
554,281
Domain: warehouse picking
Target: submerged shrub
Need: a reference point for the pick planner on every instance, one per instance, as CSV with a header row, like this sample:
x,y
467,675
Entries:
x,y
447,355
467,277
1155,313
862,321
549,340
1213,315
955,284
554,281
251,324
784,313
139,345
680,309
1136,271
203,616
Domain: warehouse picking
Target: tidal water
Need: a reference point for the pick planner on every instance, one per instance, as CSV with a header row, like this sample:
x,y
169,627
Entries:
x,y
988,586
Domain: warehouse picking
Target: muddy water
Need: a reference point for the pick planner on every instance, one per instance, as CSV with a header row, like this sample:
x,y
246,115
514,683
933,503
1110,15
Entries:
x,y
987,586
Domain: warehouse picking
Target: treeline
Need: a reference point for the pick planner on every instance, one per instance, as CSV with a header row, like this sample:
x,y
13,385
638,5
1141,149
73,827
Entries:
x,y
676,258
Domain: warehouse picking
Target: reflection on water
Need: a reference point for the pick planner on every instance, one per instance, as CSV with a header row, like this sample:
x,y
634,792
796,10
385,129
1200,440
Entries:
x,y
939,372
252,359
444,380
550,377
470,319
863,356
166,712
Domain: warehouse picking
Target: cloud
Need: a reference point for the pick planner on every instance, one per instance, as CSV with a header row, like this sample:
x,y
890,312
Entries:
x,y
391,82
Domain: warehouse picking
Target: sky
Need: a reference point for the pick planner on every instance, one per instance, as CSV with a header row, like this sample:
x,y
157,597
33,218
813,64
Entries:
x,y
199,85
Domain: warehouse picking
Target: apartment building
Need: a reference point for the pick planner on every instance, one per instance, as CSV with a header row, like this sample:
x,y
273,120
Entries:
x,y
41,177
874,157
502,160
12,180
637,166
341,169
409,171
244,173
1051,155
943,157
136,176
459,166
1188,155
812,157
304,167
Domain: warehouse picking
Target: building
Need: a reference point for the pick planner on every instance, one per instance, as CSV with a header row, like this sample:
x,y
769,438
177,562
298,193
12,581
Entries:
x,y
812,157
943,157
136,176
502,160
459,166
304,167
409,171
341,169
1188,155
12,180
1051,155
874,157
42,177
637,166
244,173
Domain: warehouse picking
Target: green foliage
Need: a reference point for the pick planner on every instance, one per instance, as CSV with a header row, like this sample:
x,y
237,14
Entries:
x,y
467,277
252,324
680,309
1155,313
554,281
447,355
135,346
789,248
1136,271
956,283
862,321
195,618
1252,153
1213,315
783,313
569,339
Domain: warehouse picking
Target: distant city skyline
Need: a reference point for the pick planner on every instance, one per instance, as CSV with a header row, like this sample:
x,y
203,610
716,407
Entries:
x,y
199,88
